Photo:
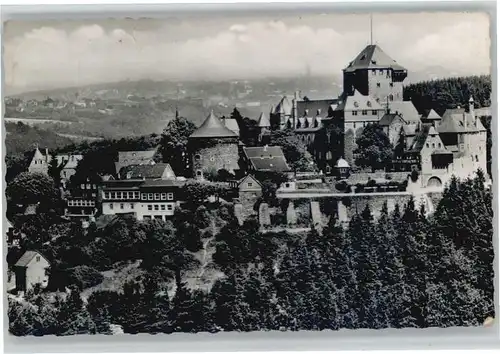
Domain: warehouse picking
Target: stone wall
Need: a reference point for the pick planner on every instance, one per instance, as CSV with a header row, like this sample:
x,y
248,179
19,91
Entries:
x,y
214,158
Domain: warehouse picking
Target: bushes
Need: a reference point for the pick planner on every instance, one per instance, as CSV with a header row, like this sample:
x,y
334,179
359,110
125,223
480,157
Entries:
x,y
84,277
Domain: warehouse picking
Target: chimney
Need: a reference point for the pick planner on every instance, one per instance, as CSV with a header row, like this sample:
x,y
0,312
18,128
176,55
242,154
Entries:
x,y
471,108
265,147
318,112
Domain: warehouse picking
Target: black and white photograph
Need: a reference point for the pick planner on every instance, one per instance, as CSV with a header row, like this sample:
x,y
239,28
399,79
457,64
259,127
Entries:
x,y
248,171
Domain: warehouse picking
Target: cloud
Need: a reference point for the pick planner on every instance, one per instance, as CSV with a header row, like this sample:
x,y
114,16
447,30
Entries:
x,y
50,57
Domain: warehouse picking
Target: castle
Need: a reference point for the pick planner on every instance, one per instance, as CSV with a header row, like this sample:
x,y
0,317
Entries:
x,y
437,147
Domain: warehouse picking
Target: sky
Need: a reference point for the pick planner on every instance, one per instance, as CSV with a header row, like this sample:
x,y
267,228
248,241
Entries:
x,y
56,54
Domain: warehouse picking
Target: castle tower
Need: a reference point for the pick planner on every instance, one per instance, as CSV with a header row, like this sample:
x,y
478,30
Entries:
x,y
376,74
213,147
264,126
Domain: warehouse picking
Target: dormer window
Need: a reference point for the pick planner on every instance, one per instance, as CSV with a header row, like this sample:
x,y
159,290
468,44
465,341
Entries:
x,y
369,104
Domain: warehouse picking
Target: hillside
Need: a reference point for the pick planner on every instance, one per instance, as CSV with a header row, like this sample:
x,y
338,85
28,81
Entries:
x,y
449,93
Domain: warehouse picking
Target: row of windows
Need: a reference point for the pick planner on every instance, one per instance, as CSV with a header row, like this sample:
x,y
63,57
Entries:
x,y
155,207
161,207
433,145
81,203
381,72
122,195
390,84
87,186
364,112
157,217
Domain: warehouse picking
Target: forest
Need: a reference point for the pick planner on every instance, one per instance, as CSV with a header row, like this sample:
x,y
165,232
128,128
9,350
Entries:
x,y
449,93
402,270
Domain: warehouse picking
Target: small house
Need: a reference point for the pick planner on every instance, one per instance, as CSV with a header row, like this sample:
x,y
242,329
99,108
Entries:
x,y
31,269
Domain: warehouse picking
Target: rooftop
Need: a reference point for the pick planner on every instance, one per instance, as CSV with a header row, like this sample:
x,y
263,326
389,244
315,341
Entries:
x,y
213,127
147,171
373,57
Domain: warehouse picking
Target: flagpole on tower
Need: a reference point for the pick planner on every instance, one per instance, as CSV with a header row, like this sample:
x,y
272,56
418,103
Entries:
x,y
371,29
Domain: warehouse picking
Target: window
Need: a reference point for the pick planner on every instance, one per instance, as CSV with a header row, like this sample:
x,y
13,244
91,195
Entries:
x,y
287,185
88,185
147,217
150,196
378,84
356,104
439,145
157,196
169,207
212,159
106,195
391,84
38,258
364,112
111,206
157,207
433,145
163,207
250,184
131,205
82,186
197,157
427,145
136,195
150,207
113,195
170,196
64,173
354,113
144,196
374,113
198,173
391,97
354,125
381,72
374,72
164,196
477,160
121,206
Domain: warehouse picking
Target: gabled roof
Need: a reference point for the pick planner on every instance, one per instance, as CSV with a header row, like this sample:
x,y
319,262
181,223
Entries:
x,y
406,109
315,108
358,102
267,158
453,122
249,178
388,118
283,107
127,158
155,171
232,125
27,257
212,127
419,140
432,115
73,161
263,121
373,57
260,151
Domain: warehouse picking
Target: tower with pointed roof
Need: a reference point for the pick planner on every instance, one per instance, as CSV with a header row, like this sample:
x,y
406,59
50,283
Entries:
x,y
374,73
40,161
264,127
213,147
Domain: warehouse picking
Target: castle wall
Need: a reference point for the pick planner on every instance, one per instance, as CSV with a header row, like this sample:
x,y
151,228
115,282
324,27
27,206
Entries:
x,y
213,158
381,85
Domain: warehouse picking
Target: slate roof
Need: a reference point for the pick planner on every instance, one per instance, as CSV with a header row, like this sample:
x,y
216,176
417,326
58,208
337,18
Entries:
x,y
27,257
145,171
431,115
373,57
267,158
406,109
283,107
420,138
213,127
263,121
276,164
358,102
388,118
232,125
315,108
453,122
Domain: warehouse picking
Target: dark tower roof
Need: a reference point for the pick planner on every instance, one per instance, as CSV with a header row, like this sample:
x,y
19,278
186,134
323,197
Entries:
x,y
212,127
373,57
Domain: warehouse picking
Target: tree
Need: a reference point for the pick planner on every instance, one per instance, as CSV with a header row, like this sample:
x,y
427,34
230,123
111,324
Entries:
x,y
294,149
373,147
33,188
74,317
174,143
54,170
